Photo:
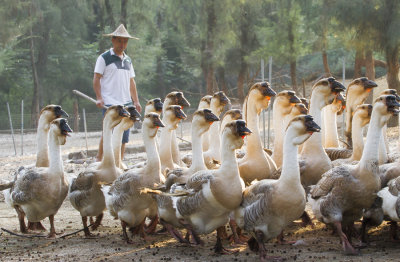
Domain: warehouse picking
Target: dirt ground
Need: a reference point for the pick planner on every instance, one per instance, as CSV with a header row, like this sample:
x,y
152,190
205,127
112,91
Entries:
x,y
314,244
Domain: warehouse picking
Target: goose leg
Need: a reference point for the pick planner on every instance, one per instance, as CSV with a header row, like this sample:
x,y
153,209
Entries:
x,y
393,231
259,237
306,220
85,227
97,223
36,226
218,248
52,233
125,234
21,219
347,247
151,228
237,237
174,233
195,237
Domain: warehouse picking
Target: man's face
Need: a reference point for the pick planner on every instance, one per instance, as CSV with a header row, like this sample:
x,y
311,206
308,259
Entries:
x,y
119,44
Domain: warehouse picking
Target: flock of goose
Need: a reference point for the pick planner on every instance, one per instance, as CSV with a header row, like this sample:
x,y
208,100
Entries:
x,y
251,190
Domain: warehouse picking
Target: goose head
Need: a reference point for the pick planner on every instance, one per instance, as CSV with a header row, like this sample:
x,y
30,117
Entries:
x,y
202,119
361,85
233,114
299,109
173,115
115,114
152,121
176,98
286,98
327,89
51,112
363,112
61,128
134,115
338,104
205,102
236,131
154,105
219,100
391,92
303,127
262,92
304,101
386,106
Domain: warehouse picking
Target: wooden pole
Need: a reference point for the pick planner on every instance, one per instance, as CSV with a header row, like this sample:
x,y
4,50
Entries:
x,y
84,126
269,106
343,80
22,127
12,130
263,112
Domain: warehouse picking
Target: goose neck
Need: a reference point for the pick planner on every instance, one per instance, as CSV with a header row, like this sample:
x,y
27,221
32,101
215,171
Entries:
x,y
358,139
314,144
197,149
108,154
117,143
153,158
56,164
165,148
290,166
42,156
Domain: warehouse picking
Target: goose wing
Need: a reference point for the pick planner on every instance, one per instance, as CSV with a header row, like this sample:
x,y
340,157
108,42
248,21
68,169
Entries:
x,y
26,185
191,204
80,189
337,177
124,188
394,186
256,202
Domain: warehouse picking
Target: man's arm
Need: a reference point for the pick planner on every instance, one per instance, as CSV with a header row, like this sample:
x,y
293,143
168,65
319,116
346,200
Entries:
x,y
134,95
97,89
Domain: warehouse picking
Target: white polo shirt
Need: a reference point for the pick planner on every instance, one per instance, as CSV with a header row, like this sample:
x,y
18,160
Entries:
x,y
116,72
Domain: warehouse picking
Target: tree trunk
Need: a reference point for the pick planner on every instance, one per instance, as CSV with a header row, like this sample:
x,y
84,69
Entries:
x,y
240,83
76,115
36,87
211,25
369,65
359,59
124,4
325,62
110,16
221,80
392,78
293,75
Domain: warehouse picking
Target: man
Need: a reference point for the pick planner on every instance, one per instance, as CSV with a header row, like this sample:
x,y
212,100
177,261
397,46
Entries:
x,y
114,81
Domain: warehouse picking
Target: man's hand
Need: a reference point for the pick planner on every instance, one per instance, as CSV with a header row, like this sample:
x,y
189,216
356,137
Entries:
x,y
100,103
138,106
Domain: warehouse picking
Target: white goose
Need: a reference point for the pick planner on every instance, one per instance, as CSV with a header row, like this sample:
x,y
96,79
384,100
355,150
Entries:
x,y
39,192
217,105
215,193
85,191
361,118
269,205
205,103
172,115
123,198
153,106
330,137
174,98
283,104
391,204
344,191
256,164
126,123
356,94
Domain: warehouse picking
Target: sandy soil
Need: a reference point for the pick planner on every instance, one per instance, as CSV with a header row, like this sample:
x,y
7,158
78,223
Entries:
x,y
316,244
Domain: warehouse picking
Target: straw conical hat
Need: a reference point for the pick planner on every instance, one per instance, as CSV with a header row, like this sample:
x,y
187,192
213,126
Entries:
x,y
121,32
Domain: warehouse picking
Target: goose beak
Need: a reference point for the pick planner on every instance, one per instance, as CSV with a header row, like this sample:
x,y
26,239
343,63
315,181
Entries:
x,y
392,105
369,84
60,113
311,126
65,128
294,100
242,129
158,105
181,115
210,117
158,123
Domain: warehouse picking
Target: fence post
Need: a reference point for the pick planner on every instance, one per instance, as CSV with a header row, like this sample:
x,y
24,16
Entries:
x,y
269,106
263,112
12,130
343,80
22,127
84,126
